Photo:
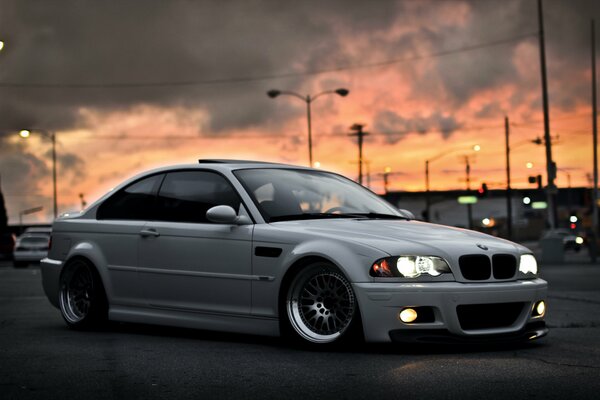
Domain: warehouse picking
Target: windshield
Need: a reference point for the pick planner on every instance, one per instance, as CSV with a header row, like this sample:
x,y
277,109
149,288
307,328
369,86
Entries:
x,y
288,194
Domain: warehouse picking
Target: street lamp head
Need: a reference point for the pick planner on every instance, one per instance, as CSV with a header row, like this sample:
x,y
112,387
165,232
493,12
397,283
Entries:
x,y
273,93
1,45
342,92
477,147
24,133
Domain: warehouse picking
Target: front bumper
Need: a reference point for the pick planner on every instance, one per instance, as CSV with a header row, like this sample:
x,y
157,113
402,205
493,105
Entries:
x,y
380,304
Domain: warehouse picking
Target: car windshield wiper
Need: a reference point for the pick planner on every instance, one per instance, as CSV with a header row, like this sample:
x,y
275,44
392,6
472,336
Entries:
x,y
292,217
374,215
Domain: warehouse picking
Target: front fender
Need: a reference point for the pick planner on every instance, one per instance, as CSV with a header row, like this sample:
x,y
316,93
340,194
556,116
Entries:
x,y
354,261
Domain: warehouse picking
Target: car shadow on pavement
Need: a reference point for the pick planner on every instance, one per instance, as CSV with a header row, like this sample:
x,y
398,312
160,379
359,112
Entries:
x,y
355,346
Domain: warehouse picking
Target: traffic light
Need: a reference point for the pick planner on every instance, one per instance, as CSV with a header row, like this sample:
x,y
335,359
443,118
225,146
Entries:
x,y
573,221
482,191
535,179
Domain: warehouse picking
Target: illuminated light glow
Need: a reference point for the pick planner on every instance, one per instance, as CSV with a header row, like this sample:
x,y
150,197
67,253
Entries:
x,y
485,221
540,309
539,205
1,45
382,269
408,315
573,218
529,165
387,170
477,147
24,133
528,264
526,200
467,200
573,226
579,240
317,164
407,267
425,266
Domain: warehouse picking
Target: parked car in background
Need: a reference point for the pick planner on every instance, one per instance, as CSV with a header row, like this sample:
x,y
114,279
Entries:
x,y
7,245
570,240
46,230
30,248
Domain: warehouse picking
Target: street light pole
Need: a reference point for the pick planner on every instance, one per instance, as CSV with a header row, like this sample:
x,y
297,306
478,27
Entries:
x,y
55,202
427,191
595,222
550,165
508,188
308,120
469,205
427,200
308,99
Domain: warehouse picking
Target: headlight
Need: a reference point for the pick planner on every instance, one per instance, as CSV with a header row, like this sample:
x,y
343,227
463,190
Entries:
x,y
409,267
528,264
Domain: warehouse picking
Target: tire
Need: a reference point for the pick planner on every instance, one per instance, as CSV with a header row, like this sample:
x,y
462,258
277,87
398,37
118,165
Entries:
x,y
81,296
320,306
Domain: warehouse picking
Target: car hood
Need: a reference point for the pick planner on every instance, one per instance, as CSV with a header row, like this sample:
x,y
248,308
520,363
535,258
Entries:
x,y
397,237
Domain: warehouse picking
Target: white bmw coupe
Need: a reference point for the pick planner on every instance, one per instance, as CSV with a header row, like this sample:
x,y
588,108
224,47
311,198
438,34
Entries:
x,y
274,249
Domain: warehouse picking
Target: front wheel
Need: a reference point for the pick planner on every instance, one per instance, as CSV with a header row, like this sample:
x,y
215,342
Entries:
x,y
320,305
82,298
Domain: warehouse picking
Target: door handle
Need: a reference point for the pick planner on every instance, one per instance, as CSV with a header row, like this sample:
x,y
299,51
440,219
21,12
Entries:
x,y
149,232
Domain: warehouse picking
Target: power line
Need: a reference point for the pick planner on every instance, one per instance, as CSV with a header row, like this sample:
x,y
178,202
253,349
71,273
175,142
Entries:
x,y
131,85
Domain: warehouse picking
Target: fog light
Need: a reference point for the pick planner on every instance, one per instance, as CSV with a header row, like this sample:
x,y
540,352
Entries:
x,y
539,309
408,315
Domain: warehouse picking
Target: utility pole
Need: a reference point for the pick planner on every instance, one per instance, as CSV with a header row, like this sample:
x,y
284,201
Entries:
x,y
508,190
469,205
550,166
427,198
596,226
386,182
358,128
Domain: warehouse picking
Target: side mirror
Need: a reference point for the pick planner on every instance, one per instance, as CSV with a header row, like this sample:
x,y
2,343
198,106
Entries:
x,y
225,215
407,213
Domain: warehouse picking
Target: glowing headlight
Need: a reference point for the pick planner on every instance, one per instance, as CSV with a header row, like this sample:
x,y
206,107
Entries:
x,y
528,264
409,267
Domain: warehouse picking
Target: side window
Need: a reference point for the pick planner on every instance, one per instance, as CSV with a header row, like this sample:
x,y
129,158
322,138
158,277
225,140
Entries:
x,y
134,202
185,196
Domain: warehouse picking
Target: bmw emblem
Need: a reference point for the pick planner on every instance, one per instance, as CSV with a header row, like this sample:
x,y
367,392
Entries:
x,y
482,246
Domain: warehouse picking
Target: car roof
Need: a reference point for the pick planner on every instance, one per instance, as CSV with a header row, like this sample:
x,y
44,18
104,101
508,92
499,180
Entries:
x,y
219,165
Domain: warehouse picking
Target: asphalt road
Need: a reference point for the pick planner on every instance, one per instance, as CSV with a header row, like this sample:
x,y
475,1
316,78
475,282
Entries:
x,y
40,358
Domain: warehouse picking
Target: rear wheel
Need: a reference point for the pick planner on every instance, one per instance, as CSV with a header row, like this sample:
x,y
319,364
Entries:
x,y
320,305
82,298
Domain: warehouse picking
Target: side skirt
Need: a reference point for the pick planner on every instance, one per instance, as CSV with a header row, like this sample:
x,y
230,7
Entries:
x,y
196,320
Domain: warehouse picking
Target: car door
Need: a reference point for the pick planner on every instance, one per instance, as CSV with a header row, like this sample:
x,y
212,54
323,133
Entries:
x,y
189,263
116,232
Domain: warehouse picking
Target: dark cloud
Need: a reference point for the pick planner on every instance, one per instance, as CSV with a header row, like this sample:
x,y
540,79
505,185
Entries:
x,y
396,126
489,110
160,41
125,41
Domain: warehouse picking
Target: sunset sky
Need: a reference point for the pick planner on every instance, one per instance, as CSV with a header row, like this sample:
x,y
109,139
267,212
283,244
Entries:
x,y
131,85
